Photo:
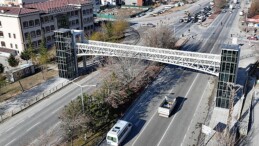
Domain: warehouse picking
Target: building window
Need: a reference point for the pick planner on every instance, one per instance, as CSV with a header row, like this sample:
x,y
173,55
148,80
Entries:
x,y
76,13
46,19
39,42
2,43
84,12
38,32
37,22
33,35
26,35
51,18
9,34
25,24
14,36
1,34
73,22
16,46
0,24
52,27
47,29
72,13
11,45
77,21
31,23
48,39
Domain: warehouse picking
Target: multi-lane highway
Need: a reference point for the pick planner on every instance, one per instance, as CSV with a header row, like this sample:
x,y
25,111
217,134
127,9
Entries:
x,y
149,129
189,86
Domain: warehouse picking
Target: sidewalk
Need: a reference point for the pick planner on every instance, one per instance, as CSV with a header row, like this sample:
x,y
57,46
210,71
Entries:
x,y
14,105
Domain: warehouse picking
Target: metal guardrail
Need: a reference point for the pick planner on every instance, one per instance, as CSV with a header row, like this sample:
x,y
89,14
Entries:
x,y
32,101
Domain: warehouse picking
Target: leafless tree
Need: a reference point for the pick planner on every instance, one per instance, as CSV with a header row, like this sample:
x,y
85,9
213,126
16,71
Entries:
x,y
161,37
72,119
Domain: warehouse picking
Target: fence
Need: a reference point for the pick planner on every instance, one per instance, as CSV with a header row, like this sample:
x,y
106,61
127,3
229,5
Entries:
x,y
32,101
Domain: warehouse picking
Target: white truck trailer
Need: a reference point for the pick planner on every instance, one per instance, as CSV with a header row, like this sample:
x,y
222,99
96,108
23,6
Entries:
x,y
166,107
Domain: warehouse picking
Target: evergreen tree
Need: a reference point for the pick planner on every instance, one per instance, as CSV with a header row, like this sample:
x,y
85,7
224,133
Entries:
x,y
25,55
13,62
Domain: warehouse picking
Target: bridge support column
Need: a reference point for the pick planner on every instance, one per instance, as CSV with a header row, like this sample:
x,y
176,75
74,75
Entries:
x,y
84,61
227,74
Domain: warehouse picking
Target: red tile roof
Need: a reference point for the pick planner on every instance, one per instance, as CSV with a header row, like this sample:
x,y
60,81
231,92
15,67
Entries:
x,y
16,10
52,4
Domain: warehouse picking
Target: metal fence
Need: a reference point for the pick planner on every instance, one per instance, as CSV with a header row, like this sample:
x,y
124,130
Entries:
x,y
32,101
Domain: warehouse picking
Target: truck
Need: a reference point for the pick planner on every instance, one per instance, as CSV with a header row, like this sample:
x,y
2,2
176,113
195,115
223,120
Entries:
x,y
166,107
231,6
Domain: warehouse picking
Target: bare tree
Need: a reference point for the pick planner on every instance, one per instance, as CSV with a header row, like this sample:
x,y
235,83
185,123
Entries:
x,y
161,37
254,9
73,120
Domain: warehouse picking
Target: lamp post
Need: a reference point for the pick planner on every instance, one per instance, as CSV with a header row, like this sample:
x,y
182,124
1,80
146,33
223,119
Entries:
x,y
82,86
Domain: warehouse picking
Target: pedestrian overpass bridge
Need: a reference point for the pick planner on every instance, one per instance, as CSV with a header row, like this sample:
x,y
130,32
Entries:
x,y
71,43
76,45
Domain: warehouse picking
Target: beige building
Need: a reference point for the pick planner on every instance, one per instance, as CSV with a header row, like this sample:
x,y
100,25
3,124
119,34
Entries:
x,y
40,19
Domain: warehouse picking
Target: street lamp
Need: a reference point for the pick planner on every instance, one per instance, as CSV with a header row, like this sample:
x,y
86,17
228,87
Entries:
x,y
82,86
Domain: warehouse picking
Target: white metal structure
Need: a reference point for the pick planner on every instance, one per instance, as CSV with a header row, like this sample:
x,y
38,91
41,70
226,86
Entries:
x,y
204,62
118,132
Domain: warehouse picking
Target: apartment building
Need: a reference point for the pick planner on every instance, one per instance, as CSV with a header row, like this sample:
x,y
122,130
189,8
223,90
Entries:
x,y
41,19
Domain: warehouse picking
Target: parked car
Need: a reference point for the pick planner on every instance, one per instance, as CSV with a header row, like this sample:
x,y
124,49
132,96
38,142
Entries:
x,y
151,25
180,20
252,38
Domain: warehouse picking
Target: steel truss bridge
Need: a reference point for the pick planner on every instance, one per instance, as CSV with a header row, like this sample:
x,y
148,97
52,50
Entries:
x,y
208,63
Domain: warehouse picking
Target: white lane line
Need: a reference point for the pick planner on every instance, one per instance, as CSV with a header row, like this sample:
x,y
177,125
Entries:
x,y
144,128
194,113
32,126
19,122
10,128
10,142
56,110
178,108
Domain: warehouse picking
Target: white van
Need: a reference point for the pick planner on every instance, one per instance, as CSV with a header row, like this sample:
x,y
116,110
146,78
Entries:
x,y
118,133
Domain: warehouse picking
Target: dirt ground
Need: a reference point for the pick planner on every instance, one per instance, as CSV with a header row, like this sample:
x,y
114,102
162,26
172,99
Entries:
x,y
13,89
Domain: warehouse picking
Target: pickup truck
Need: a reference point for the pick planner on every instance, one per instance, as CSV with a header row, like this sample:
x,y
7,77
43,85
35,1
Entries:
x,y
166,107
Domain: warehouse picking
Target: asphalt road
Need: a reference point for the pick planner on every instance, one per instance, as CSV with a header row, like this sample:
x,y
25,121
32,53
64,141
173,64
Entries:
x,y
149,129
152,130
28,125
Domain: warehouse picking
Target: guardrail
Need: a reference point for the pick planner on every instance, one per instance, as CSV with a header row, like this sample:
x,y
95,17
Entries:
x,y
32,101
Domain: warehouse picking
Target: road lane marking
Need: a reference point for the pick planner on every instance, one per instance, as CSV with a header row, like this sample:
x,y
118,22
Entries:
x,y
144,128
194,113
10,128
32,126
177,109
10,142
19,122
151,117
56,110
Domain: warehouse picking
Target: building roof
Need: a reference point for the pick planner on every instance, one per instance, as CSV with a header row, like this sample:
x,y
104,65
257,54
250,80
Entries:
x,y
254,19
55,4
16,10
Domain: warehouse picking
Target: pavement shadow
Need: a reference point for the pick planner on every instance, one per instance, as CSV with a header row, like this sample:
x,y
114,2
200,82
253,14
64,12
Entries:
x,y
134,131
220,127
179,104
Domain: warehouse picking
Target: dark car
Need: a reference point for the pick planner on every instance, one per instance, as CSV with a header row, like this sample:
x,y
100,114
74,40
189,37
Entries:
x,y
151,25
252,38
180,20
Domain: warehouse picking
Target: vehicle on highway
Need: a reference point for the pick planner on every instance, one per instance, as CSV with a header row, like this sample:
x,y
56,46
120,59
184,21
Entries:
x,y
180,20
151,25
223,11
201,19
155,14
186,19
118,133
166,107
252,38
